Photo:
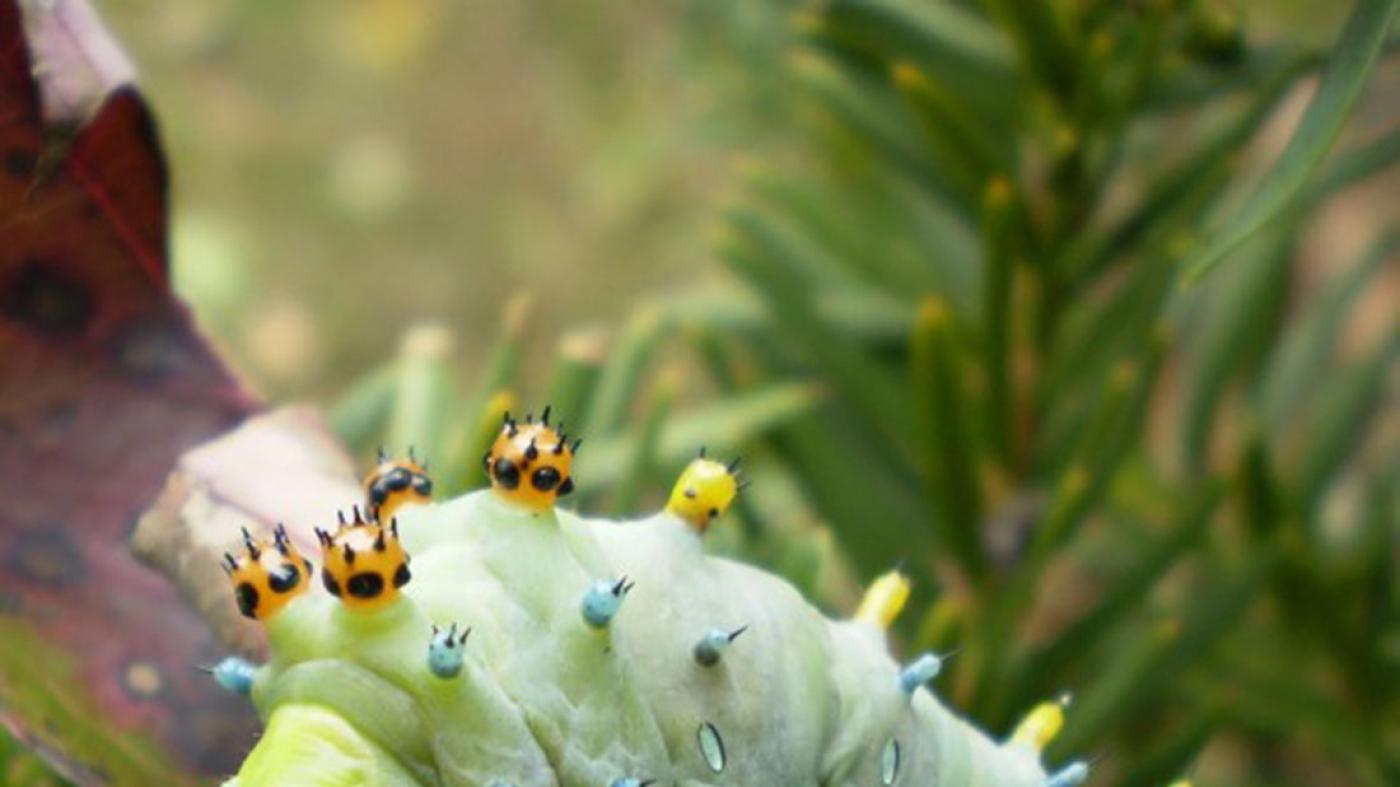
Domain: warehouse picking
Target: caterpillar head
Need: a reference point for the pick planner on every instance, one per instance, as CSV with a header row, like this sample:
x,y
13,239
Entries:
x,y
394,483
704,491
364,564
529,463
268,575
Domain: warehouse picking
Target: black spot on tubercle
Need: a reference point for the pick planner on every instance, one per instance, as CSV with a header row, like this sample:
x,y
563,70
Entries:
x,y
332,587
366,584
284,578
402,576
247,596
505,473
545,478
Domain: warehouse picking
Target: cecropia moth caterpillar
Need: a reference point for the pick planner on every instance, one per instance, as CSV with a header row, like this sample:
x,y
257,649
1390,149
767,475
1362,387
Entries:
x,y
495,639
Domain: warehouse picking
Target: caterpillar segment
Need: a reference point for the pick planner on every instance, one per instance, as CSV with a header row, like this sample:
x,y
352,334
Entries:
x,y
711,673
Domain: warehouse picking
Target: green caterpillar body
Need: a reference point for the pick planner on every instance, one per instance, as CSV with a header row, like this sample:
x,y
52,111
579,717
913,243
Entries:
x,y
545,698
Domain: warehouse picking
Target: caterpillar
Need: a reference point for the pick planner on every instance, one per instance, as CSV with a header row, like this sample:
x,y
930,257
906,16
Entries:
x,y
496,639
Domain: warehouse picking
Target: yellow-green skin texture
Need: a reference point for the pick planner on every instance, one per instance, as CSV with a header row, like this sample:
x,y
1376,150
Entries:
x,y
545,699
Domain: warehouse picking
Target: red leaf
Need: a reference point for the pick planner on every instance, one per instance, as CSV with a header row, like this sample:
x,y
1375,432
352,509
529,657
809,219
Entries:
x,y
104,382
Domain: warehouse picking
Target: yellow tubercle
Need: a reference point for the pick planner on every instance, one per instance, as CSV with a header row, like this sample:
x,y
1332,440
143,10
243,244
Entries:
x,y
363,564
395,483
704,491
530,463
268,576
1042,724
884,600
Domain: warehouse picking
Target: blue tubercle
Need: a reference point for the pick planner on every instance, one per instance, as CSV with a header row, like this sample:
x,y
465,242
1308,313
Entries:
x,y
603,600
920,671
235,674
713,644
630,782
1075,773
447,651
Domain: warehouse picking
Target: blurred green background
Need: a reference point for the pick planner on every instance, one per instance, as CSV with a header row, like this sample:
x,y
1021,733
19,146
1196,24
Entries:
x,y
440,157
922,263
443,156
